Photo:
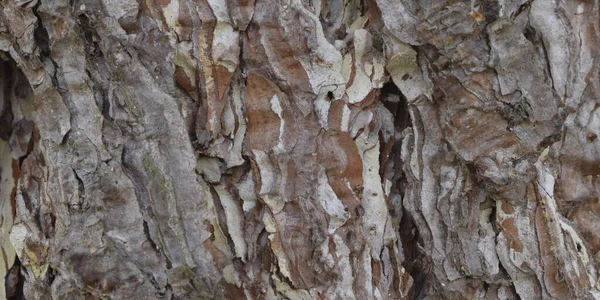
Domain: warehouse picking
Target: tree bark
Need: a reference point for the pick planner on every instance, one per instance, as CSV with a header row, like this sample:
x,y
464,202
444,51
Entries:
x,y
299,149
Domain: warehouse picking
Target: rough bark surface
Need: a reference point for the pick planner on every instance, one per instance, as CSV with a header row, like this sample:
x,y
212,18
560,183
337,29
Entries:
x,y
300,149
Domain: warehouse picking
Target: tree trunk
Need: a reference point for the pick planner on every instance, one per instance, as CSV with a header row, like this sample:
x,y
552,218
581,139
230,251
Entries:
x,y
299,149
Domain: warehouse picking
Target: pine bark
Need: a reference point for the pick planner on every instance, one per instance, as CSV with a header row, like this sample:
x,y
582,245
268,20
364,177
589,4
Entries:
x,y
299,149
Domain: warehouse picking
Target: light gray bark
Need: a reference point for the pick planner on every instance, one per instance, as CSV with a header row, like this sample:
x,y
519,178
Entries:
x,y
299,149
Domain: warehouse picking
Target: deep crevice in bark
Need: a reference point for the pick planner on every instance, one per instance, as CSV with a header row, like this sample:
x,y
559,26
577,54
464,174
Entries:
x,y
414,258
40,34
7,68
14,282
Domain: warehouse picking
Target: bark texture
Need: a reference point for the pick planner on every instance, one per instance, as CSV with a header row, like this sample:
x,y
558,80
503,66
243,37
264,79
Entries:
x,y
300,149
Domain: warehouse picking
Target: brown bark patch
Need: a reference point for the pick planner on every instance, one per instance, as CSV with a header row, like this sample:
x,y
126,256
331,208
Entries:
x,y
334,118
512,234
222,81
184,81
16,172
476,133
507,208
263,124
339,155
552,277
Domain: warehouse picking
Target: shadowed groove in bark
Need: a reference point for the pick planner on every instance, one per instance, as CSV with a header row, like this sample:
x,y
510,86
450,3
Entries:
x,y
14,282
40,34
410,239
15,135
7,67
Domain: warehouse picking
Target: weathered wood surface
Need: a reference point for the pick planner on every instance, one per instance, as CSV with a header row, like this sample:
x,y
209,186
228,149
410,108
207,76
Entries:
x,y
324,149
